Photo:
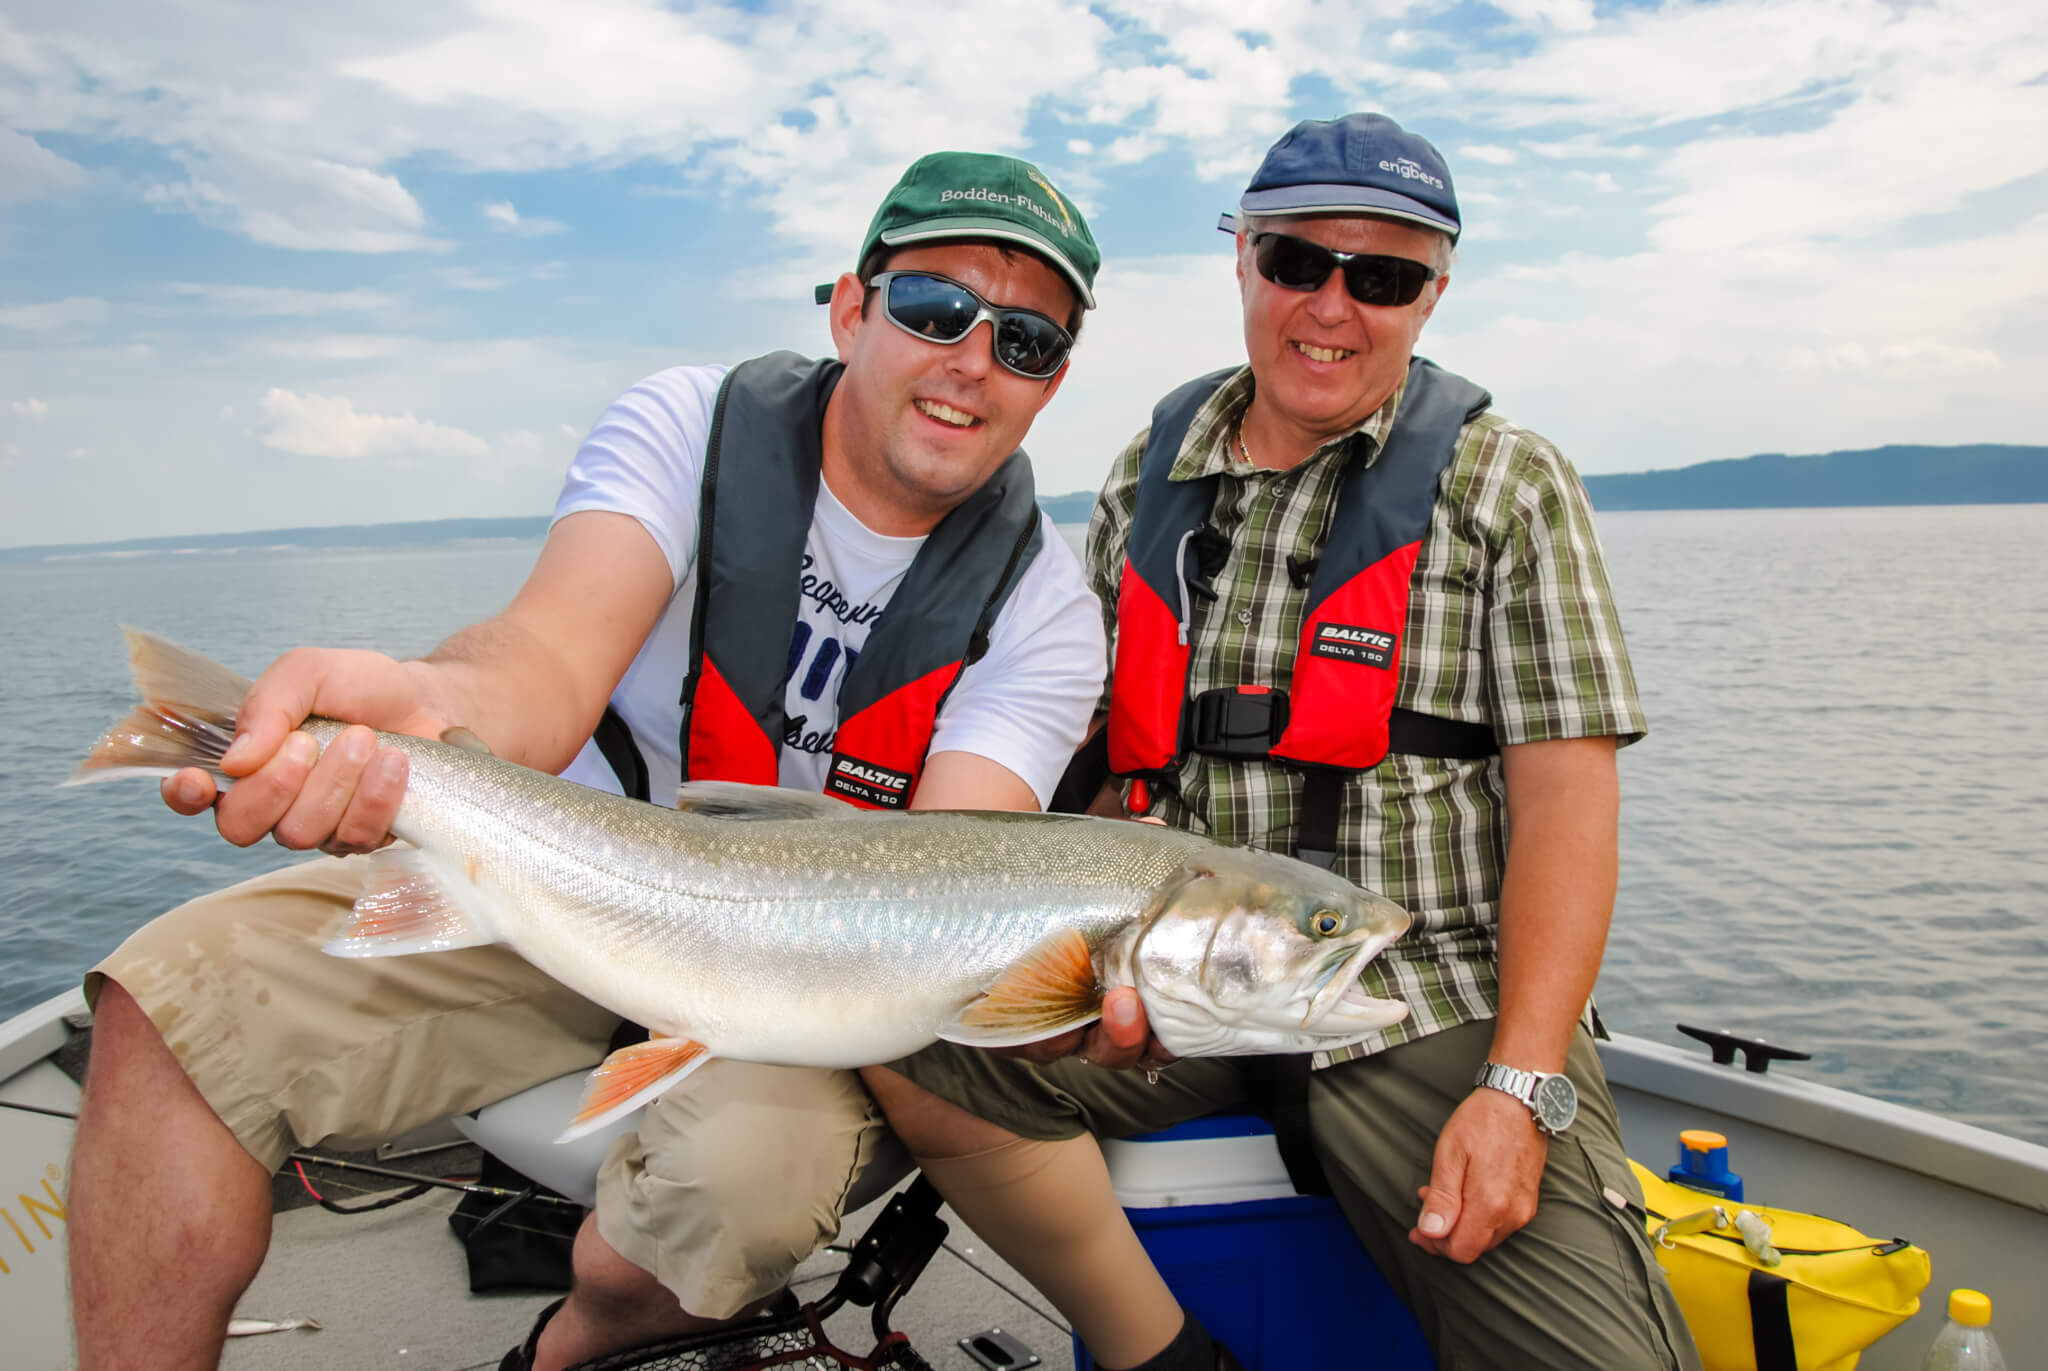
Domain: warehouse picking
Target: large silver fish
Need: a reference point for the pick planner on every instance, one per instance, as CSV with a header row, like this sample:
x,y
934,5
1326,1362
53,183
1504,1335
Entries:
x,y
784,927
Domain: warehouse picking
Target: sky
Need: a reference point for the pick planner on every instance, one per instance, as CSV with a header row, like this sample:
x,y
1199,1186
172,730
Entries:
x,y
275,265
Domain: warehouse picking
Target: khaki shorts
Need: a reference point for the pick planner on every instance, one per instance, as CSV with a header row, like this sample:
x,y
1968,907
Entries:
x,y
735,1176
1578,1287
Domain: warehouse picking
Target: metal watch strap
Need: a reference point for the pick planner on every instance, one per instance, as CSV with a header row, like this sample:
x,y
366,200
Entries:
x,y
1518,1083
1510,1080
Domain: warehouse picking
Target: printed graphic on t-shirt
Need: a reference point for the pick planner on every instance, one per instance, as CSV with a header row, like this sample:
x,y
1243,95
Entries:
x,y
820,658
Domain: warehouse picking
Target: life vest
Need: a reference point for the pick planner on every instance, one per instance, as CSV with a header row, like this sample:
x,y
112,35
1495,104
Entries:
x,y
1338,709
754,515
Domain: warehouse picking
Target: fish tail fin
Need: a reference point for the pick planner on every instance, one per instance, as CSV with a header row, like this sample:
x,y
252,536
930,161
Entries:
x,y
186,718
632,1076
1048,991
408,906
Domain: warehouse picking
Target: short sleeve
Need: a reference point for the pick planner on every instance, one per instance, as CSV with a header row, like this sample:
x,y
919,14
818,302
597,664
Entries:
x,y
1557,664
645,457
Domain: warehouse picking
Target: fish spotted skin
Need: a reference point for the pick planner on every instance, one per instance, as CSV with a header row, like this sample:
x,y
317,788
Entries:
x,y
781,927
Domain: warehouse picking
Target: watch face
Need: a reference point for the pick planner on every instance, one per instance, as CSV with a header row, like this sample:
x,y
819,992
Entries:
x,y
1556,1103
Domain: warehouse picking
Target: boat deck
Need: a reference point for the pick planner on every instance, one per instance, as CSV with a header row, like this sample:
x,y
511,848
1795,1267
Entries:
x,y
391,1289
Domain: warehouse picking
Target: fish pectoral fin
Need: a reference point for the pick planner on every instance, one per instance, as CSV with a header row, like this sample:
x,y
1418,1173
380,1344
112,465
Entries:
x,y
632,1076
410,905
734,800
1050,990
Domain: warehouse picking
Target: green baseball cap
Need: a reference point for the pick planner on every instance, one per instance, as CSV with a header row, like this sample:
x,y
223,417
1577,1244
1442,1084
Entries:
x,y
949,195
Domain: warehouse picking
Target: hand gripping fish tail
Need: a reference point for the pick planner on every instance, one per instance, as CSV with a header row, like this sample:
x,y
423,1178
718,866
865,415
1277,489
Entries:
x,y
792,929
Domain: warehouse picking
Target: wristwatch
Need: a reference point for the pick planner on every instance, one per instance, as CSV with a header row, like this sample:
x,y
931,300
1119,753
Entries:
x,y
1552,1101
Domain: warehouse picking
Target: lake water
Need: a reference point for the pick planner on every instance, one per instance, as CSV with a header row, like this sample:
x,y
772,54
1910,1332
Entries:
x,y
1833,836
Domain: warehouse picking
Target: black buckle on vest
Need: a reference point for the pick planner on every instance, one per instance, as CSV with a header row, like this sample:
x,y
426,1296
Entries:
x,y
1237,721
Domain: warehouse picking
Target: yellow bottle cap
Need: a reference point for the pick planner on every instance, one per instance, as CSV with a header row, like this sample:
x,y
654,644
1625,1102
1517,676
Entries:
x,y
1701,1140
1972,1307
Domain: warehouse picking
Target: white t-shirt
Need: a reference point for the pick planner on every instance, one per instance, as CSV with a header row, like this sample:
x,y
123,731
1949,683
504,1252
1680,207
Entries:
x,y
1024,705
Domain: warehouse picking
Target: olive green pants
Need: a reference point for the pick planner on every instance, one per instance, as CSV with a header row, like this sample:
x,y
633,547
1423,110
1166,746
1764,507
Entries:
x,y
1578,1287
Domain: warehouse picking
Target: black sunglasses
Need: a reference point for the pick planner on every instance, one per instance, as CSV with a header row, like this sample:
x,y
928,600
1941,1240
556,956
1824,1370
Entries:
x,y
942,311
1372,278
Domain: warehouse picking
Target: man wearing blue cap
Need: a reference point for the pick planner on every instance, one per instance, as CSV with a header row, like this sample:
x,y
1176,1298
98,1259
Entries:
x,y
1360,618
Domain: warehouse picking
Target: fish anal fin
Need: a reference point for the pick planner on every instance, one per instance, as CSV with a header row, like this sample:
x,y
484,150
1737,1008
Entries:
x,y
1050,990
632,1076
406,907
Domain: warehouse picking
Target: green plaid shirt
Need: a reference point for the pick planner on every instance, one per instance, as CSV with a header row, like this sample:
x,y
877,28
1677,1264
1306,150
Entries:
x,y
1510,623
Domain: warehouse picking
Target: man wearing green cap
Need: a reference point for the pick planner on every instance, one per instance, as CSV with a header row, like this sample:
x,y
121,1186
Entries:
x,y
750,573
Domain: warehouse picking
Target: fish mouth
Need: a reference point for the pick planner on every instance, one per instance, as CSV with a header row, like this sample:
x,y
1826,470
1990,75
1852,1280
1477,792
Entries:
x,y
1336,1003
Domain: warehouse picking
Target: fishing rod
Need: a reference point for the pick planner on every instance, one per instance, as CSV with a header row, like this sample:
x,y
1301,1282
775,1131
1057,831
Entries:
x,y
421,1183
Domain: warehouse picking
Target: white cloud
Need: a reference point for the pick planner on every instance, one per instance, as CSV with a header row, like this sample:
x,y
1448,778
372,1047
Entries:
x,y
1492,156
340,347
330,426
30,171
31,408
288,200
282,300
1567,15
55,314
1134,148
504,218
466,278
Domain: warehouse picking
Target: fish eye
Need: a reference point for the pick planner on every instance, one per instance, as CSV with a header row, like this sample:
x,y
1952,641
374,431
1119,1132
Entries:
x,y
1326,922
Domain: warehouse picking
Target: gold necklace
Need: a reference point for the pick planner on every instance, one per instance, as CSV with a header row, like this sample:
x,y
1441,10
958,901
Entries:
x,y
1242,445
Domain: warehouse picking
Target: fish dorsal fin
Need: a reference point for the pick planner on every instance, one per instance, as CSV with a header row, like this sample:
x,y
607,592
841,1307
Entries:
x,y
411,904
735,800
457,736
1048,991
630,1077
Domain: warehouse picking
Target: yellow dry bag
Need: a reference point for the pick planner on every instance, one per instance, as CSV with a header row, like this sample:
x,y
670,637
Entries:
x,y
1774,1290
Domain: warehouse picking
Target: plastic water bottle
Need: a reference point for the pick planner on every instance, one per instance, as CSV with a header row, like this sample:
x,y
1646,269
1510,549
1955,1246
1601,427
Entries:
x,y
1965,1342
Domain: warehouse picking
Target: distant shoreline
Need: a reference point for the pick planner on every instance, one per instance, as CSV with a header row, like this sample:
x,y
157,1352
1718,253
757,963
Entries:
x,y
1968,474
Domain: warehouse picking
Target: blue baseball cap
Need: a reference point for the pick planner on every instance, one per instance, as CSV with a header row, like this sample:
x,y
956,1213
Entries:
x,y
1360,164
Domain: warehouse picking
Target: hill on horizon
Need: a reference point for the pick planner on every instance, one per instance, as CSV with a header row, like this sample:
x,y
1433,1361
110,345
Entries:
x,y
1899,474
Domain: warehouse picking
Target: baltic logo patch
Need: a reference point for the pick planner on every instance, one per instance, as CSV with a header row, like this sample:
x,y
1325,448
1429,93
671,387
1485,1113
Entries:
x,y
1347,643
868,783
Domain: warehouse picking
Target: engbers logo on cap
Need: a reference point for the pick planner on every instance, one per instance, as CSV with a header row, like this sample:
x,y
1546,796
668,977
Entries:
x,y
877,785
1409,168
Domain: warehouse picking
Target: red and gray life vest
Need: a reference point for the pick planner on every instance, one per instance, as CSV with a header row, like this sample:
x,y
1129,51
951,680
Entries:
x,y
1336,713
761,472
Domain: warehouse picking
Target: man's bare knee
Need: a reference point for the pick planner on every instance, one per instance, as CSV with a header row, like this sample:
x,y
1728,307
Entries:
x,y
607,1281
929,1126
124,1037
